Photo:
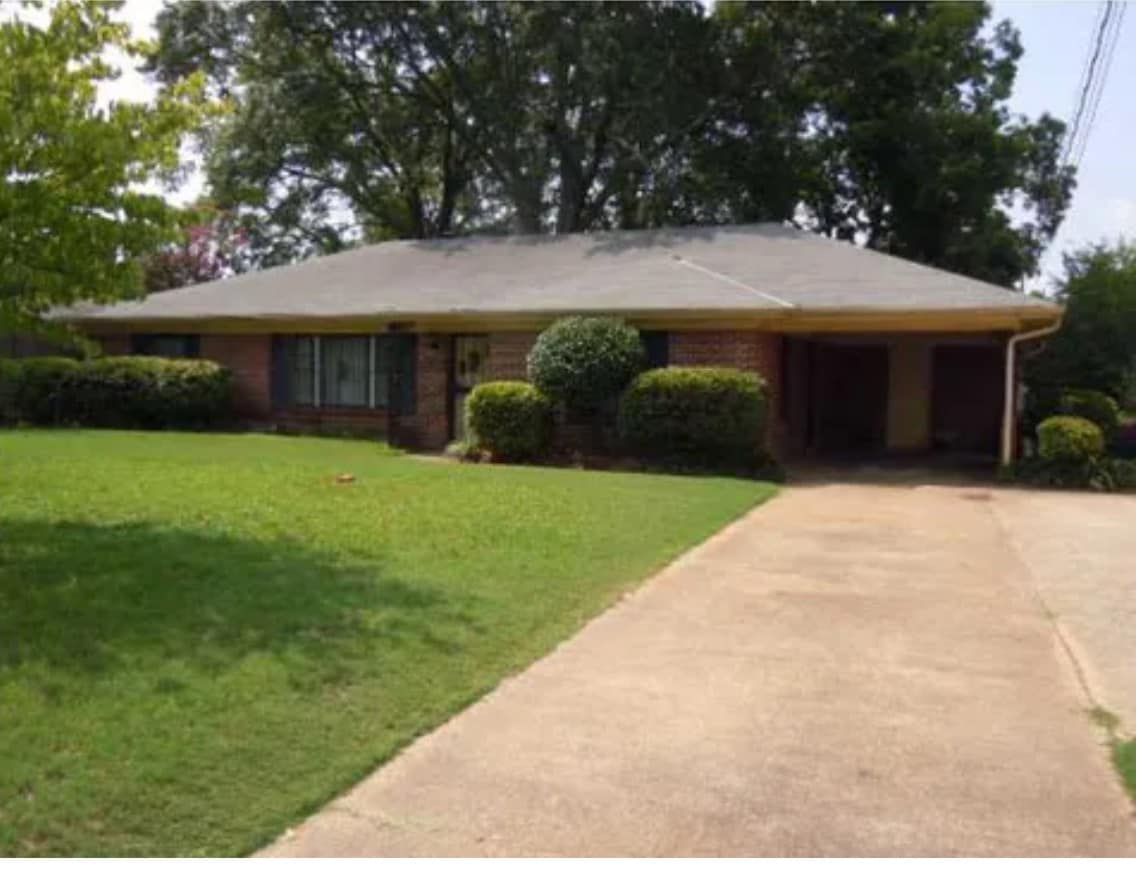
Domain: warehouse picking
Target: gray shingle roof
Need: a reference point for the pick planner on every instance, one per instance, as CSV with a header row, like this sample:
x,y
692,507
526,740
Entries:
x,y
697,269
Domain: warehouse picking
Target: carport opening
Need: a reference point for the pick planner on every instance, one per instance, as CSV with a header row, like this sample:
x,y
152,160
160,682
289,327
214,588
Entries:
x,y
920,397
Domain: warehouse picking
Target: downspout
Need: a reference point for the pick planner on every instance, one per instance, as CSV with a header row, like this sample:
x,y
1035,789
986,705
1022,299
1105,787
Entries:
x,y
1007,420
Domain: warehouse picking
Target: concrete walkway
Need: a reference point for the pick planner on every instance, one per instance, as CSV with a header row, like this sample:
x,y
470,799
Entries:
x,y
849,670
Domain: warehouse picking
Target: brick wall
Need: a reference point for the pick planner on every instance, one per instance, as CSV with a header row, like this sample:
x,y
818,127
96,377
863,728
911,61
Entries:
x,y
249,358
743,349
508,355
119,343
432,365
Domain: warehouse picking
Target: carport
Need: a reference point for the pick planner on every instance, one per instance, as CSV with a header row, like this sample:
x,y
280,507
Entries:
x,y
881,394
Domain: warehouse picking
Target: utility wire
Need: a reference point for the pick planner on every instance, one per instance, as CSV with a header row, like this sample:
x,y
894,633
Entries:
x,y
1089,76
1098,88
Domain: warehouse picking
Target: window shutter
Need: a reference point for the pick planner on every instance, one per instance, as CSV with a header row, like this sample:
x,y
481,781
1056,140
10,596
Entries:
x,y
279,374
404,358
655,343
192,346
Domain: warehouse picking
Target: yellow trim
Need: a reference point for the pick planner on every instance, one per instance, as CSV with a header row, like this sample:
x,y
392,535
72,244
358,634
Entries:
x,y
783,321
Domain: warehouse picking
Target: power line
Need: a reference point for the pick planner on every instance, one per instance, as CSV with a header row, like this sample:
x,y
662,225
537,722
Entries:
x,y
1098,89
1089,75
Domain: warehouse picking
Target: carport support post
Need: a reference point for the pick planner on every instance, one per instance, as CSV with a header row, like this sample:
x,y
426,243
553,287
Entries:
x,y
1008,419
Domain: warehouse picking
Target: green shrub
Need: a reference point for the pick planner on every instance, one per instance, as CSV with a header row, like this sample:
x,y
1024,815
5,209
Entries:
x,y
466,451
127,392
1096,407
41,394
1095,473
585,362
707,416
511,420
1069,439
9,376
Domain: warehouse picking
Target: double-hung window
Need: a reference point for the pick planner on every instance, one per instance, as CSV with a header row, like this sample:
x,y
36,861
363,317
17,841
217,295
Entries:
x,y
365,372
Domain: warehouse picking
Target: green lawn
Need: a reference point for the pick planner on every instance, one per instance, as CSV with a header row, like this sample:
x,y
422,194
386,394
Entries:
x,y
1123,755
203,637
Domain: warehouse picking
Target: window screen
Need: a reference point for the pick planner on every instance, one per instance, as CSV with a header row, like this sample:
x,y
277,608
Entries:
x,y
344,370
362,371
301,372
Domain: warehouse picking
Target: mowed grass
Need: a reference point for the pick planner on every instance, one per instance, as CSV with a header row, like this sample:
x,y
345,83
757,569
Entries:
x,y
1123,755
203,637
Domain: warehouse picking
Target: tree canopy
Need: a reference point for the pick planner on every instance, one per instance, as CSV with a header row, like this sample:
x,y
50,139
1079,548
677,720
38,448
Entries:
x,y
1095,347
212,248
882,123
74,217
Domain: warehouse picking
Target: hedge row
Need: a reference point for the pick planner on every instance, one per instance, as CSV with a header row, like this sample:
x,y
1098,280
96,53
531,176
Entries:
x,y
148,393
706,417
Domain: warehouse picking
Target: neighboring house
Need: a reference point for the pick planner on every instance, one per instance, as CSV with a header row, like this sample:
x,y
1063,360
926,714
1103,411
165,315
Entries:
x,y
863,352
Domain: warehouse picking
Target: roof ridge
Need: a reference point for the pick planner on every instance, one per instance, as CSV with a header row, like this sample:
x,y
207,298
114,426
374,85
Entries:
x,y
691,264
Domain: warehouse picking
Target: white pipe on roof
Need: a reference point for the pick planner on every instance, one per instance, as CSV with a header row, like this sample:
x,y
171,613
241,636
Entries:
x,y
1007,420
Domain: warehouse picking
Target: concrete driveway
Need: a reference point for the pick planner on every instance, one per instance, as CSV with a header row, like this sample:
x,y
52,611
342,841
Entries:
x,y
849,670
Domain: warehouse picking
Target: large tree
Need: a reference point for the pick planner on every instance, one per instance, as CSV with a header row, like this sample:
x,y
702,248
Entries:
x,y
74,218
885,124
905,141
1095,348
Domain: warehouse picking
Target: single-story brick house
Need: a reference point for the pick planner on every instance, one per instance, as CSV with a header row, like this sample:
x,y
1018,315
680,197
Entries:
x,y
862,352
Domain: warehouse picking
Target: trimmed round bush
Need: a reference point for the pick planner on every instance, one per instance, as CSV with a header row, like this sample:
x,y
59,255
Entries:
x,y
1095,406
707,416
585,362
1068,439
40,394
512,420
128,392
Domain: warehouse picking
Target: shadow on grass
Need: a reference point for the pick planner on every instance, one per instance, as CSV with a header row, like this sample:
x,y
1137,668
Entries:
x,y
91,599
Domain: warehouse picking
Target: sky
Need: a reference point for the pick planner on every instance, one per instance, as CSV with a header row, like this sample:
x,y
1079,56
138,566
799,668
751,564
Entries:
x,y
1055,35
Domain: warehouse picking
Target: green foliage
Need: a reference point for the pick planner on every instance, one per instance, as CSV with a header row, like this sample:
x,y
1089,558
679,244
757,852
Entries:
x,y
1123,756
1095,347
1069,439
585,362
466,451
9,374
40,394
890,124
883,122
123,392
186,616
1099,473
511,420
73,217
707,416
1094,406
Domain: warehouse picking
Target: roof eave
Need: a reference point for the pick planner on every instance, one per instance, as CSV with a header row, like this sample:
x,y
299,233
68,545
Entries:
x,y
847,319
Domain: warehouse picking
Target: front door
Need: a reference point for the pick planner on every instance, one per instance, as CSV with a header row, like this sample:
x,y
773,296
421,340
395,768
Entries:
x,y
469,369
